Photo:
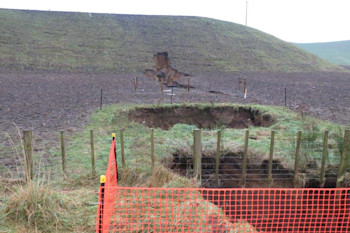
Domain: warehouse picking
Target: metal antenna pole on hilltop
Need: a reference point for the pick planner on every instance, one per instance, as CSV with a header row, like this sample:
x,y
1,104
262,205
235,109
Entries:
x,y
246,13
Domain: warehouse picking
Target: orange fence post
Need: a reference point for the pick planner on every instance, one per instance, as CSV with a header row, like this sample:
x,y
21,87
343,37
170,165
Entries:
x,y
111,182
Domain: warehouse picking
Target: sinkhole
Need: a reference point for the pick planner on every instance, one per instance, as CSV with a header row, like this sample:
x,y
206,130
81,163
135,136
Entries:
x,y
202,117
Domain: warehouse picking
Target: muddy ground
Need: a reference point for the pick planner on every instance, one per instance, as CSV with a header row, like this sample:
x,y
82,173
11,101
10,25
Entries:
x,y
48,102
60,100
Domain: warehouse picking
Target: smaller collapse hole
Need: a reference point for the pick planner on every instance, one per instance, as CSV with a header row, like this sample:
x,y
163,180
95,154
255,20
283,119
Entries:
x,y
208,117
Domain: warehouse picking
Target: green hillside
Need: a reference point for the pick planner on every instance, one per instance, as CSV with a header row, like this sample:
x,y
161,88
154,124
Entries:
x,y
334,52
35,40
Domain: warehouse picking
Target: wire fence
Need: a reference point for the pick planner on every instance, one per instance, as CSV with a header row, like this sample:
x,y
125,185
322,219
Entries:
x,y
139,209
174,149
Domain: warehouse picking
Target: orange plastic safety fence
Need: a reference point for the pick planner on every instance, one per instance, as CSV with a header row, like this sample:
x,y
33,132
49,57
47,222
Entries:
x,y
228,210
107,198
131,209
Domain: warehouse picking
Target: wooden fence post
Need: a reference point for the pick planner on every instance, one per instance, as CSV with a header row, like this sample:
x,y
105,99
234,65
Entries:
x,y
152,147
218,155
101,99
93,168
135,83
344,162
324,156
269,173
188,84
285,97
245,158
172,94
63,153
122,147
28,154
296,165
197,148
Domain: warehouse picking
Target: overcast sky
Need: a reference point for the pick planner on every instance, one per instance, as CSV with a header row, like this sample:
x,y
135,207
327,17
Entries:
x,y
289,20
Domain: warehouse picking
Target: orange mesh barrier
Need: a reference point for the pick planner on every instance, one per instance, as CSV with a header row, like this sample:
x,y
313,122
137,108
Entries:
x,y
107,198
228,210
134,209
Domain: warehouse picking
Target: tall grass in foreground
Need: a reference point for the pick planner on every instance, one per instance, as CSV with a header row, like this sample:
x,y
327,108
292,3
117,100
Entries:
x,y
37,206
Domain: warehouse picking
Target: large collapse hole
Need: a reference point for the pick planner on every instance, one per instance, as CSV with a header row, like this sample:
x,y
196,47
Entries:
x,y
235,206
230,171
207,117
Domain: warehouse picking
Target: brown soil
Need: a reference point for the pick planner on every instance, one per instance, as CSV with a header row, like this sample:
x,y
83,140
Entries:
x,y
210,117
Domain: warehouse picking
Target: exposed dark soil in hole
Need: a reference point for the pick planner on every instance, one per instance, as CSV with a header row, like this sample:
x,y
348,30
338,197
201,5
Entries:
x,y
210,117
267,209
230,171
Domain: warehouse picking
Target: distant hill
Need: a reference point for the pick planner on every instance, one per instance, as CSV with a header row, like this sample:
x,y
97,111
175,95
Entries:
x,y
37,40
334,52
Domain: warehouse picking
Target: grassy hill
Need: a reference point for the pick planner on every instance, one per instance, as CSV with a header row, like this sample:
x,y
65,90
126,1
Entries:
x,y
36,40
334,52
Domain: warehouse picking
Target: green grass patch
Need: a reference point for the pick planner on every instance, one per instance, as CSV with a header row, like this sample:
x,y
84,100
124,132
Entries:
x,y
39,40
180,137
67,204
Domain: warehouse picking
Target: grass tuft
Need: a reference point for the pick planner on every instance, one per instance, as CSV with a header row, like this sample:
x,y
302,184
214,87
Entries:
x,y
36,206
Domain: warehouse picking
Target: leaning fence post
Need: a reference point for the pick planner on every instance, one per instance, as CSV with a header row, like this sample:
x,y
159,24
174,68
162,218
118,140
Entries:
x,y
93,169
324,156
63,153
245,158
122,147
269,173
218,155
152,147
345,157
197,149
296,165
28,155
